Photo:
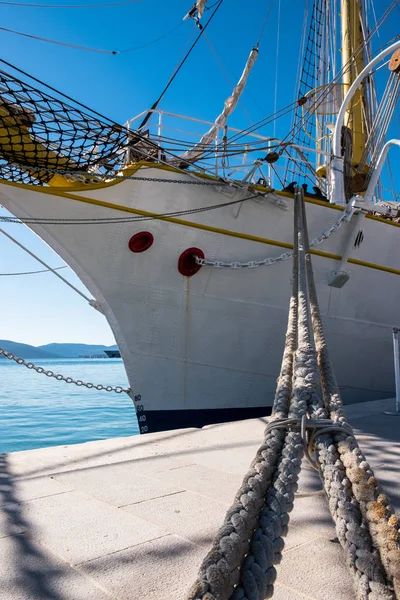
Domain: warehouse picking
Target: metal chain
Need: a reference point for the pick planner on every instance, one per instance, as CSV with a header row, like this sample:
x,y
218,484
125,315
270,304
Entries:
x,y
266,262
29,365
93,177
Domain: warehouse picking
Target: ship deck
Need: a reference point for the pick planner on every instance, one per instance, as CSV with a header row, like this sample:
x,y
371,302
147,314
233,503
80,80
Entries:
x,y
131,518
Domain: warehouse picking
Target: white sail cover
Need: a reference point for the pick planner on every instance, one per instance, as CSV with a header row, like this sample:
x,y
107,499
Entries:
x,y
229,106
200,4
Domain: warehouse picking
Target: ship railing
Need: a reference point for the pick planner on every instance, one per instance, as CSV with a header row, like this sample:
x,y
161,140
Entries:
x,y
233,152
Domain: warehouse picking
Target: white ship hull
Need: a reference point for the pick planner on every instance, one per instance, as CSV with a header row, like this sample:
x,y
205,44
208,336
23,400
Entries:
x,y
208,348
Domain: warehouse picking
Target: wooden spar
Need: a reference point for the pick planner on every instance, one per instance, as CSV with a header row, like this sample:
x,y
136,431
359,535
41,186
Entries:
x,y
352,39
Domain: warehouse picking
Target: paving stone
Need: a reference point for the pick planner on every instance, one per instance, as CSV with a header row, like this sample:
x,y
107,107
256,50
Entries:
x,y
188,515
79,528
147,465
233,456
309,479
118,485
7,525
174,565
317,569
283,592
29,572
310,519
47,461
205,481
20,490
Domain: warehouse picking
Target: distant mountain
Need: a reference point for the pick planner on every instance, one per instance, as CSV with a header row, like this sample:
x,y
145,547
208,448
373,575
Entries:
x,y
55,350
25,350
76,350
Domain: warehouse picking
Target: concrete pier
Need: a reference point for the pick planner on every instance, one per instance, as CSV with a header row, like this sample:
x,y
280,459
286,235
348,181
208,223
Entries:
x,y
132,518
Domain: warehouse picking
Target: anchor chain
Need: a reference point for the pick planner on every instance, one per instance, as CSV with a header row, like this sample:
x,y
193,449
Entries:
x,y
30,365
345,217
83,177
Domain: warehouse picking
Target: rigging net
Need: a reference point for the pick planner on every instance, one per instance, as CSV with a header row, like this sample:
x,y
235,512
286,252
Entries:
x,y
312,68
40,134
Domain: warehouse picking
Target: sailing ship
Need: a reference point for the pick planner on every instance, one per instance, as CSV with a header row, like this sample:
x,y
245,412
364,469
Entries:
x,y
190,263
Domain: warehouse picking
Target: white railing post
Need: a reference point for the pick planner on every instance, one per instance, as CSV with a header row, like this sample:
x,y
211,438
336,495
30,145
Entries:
x,y
396,354
159,134
216,152
128,150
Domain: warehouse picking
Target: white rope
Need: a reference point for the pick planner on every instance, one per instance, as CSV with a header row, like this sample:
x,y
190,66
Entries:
x,y
33,272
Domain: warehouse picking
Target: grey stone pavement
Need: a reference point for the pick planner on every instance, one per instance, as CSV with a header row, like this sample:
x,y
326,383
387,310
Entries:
x,y
131,518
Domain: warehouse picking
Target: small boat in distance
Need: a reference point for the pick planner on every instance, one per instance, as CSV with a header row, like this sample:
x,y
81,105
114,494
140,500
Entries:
x,y
113,353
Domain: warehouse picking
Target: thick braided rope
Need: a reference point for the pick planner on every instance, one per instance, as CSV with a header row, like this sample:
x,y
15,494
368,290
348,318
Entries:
x,y
220,573
220,570
349,484
257,573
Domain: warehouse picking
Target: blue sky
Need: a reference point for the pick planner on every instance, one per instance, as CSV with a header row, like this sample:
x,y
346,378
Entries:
x,y
38,309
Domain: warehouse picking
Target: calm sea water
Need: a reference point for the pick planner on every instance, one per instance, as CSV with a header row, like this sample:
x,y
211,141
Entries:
x,y
38,411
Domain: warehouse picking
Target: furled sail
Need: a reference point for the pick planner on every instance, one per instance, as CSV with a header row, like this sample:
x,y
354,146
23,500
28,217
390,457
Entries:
x,y
196,12
200,4
230,104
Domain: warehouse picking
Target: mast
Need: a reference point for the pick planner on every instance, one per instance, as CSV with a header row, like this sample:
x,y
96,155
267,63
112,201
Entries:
x,y
352,40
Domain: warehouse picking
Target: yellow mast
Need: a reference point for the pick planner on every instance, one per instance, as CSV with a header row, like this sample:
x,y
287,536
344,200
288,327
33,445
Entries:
x,y
352,38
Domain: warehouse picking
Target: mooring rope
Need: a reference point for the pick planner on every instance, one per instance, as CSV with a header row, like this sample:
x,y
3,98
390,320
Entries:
x,y
335,454
220,571
240,564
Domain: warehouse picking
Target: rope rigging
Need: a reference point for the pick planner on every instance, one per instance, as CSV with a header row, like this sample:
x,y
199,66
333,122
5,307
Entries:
x,y
100,5
34,272
92,302
158,39
89,49
179,67
58,43
240,564
307,77
264,24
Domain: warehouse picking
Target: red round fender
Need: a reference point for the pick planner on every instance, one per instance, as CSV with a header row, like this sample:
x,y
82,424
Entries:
x,y
187,264
140,242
